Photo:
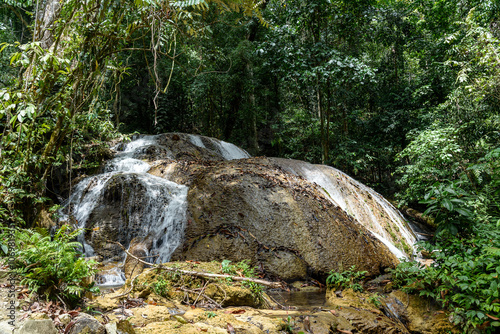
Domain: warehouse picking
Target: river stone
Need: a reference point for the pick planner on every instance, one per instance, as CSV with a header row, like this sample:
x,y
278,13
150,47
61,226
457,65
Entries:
x,y
86,324
122,327
250,209
37,327
5,328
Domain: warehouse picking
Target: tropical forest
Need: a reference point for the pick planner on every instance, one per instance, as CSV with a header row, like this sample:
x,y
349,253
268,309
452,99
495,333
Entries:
x,y
250,166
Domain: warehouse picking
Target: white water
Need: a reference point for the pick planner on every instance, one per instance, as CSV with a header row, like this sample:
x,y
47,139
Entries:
x,y
163,206
227,150
113,277
363,203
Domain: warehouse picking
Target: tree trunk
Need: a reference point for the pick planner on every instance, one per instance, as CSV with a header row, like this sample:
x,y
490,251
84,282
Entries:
x,y
46,14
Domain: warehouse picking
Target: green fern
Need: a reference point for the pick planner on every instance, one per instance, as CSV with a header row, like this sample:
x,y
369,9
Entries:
x,y
54,268
493,251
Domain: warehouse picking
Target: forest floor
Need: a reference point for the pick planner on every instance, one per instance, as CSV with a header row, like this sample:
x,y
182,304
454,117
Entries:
x,y
173,303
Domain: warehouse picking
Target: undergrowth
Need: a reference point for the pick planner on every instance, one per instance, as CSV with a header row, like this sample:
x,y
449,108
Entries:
x,y
51,267
464,279
346,279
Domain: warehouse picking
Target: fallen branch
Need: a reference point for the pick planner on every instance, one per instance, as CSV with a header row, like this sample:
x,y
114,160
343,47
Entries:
x,y
204,296
200,274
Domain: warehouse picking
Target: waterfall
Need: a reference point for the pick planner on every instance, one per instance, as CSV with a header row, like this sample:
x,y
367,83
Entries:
x,y
163,204
227,150
125,202
361,202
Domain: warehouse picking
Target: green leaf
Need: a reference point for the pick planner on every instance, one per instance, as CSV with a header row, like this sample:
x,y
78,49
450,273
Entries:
x,y
447,204
464,212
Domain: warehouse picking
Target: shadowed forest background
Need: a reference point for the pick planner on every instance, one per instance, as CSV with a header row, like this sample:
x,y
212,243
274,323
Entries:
x,y
403,95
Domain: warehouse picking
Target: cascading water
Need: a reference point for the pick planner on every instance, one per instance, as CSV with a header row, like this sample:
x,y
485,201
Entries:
x,y
126,202
227,150
363,203
164,203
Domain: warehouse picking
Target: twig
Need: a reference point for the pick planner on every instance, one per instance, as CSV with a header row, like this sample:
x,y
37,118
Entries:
x,y
128,291
201,291
274,300
200,274
204,296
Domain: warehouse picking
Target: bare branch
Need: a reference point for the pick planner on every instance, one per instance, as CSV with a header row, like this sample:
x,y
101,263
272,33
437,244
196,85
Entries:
x,y
200,274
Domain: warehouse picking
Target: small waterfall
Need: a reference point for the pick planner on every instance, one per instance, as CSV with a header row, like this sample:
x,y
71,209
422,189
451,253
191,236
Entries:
x,y
227,150
110,278
363,203
163,203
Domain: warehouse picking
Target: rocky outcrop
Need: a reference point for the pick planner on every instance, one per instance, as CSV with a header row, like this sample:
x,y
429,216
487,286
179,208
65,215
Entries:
x,y
250,209
208,200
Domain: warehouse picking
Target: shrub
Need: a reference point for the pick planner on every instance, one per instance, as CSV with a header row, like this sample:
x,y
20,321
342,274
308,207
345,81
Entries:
x,y
346,279
54,268
464,278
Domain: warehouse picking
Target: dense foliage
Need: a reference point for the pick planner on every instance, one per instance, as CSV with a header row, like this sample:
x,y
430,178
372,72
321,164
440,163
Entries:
x,y
465,278
53,267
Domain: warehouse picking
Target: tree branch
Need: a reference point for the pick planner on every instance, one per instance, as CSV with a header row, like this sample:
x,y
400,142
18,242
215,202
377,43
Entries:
x,y
201,274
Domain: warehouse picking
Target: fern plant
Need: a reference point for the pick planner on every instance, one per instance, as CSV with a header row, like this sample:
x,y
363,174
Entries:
x,y
54,268
347,279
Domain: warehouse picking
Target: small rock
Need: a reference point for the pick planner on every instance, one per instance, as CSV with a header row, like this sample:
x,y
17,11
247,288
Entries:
x,y
86,324
37,327
65,318
111,328
39,316
125,327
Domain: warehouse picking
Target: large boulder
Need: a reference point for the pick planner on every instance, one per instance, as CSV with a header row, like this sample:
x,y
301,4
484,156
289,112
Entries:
x,y
185,197
250,209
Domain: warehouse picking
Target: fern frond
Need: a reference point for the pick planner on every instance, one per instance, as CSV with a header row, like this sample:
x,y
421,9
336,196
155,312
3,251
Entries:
x,y
493,251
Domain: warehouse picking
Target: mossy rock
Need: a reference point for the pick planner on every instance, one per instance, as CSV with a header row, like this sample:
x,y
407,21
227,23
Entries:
x,y
158,284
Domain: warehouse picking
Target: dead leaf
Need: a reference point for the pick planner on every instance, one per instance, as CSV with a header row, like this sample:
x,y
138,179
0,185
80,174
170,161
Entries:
x,y
492,317
375,311
73,313
334,313
343,331
96,228
69,326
